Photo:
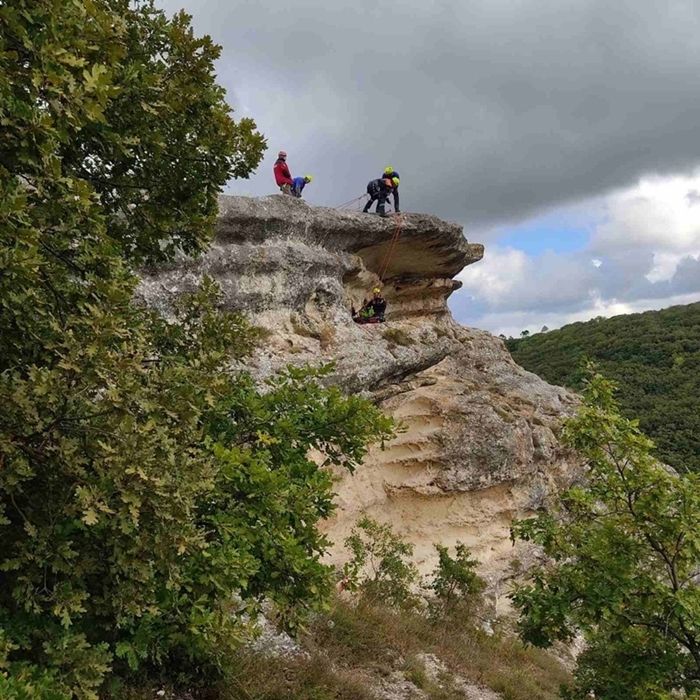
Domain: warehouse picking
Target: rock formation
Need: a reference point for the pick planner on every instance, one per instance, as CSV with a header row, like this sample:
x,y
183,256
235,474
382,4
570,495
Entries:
x,y
479,445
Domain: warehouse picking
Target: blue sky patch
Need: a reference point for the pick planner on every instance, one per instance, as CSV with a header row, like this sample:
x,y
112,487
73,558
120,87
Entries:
x,y
552,233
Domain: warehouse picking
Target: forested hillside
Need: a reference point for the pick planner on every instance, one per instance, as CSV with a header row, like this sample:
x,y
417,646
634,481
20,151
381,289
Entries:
x,y
654,357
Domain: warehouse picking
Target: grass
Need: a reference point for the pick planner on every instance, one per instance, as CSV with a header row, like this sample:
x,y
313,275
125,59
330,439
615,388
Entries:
x,y
300,328
352,646
261,333
414,670
355,644
296,678
396,336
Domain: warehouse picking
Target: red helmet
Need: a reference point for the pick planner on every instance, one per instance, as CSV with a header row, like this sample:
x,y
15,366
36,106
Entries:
x,y
282,154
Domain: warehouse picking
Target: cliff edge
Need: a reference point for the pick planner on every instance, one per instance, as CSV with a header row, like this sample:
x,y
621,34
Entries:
x,y
479,445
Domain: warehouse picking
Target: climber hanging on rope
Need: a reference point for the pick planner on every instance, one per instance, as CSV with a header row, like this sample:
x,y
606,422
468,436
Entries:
x,y
283,177
378,191
390,173
298,184
372,311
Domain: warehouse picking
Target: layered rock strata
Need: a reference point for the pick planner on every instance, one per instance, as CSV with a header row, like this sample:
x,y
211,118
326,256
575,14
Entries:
x,y
479,441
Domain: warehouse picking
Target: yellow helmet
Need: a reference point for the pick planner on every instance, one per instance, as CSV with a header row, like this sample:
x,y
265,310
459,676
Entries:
x,y
396,181
388,170
308,178
376,290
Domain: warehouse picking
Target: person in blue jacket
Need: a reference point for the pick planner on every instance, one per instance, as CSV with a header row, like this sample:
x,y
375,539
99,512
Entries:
x,y
299,183
392,175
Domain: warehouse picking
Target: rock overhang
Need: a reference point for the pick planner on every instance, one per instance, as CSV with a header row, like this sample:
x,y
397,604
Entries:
x,y
427,246
278,254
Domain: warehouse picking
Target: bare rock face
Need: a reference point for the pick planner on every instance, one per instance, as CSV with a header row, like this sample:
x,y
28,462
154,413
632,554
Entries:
x,y
479,445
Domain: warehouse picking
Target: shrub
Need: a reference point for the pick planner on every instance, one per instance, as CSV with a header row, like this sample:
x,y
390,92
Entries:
x,y
455,584
622,563
414,670
149,495
161,495
380,567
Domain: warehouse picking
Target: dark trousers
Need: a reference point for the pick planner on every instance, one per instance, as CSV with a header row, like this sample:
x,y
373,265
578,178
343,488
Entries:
x,y
376,195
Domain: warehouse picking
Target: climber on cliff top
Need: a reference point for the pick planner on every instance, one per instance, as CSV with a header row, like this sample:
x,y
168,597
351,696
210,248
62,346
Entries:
x,y
299,183
390,173
283,177
378,191
372,311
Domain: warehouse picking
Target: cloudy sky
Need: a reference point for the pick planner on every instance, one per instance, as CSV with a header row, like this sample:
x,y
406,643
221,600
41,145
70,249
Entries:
x,y
563,134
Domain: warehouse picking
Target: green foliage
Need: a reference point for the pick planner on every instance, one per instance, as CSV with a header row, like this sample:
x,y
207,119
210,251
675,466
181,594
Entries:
x,y
23,681
149,494
655,359
141,492
109,101
380,566
281,491
624,549
455,583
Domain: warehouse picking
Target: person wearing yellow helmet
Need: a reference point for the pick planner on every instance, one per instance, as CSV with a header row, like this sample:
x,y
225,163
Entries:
x,y
390,173
299,183
372,311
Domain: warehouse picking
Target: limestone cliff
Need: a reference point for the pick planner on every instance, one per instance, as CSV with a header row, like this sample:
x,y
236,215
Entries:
x,y
479,445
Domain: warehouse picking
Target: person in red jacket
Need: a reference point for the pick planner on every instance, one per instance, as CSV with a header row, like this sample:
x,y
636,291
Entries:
x,y
282,175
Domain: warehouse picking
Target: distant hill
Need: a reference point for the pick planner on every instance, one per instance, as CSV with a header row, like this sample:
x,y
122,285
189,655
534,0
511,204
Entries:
x,y
655,358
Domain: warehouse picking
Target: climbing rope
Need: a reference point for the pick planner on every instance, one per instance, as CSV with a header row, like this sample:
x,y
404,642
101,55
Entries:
x,y
352,202
392,246
394,239
389,253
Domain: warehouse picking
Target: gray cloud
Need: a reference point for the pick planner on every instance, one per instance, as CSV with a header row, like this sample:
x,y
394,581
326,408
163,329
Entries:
x,y
490,109
556,289
686,279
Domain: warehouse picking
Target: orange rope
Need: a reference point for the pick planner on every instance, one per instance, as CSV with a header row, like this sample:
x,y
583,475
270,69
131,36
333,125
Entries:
x,y
392,246
351,202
